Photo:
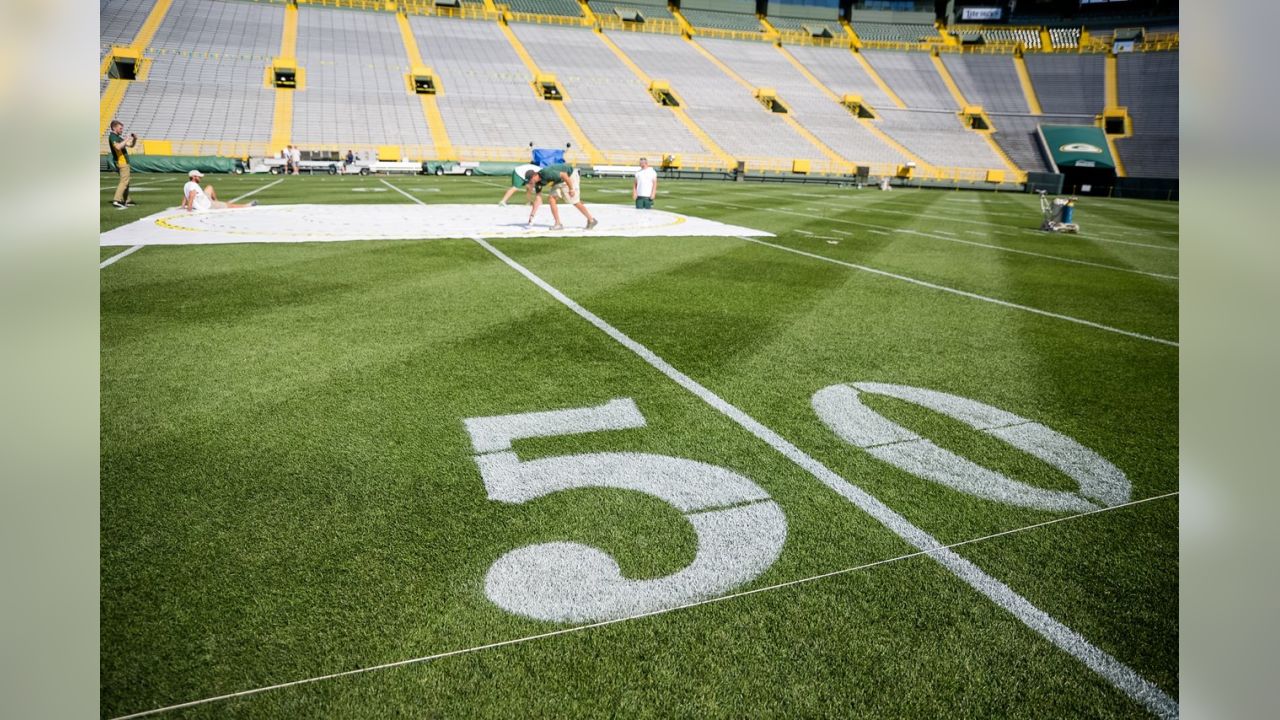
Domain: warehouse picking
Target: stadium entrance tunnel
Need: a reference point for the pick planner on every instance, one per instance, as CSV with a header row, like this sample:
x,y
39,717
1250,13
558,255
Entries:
x,y
662,92
402,221
855,105
123,67
547,87
423,81
768,97
1088,180
285,75
975,118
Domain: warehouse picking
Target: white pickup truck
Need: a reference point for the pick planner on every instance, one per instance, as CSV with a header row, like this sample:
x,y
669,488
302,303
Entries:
x,y
449,167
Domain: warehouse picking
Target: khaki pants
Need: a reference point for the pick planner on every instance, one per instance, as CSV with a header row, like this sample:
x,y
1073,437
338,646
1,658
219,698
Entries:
x,y
122,188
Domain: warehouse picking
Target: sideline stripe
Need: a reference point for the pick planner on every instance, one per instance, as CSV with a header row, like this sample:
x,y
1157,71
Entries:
x,y
1117,673
964,293
603,623
117,256
255,192
944,238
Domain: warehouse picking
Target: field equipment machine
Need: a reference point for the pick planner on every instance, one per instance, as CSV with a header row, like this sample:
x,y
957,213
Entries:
x,y
1059,214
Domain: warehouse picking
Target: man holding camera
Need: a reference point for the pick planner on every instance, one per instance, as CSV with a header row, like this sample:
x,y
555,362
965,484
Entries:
x,y
120,155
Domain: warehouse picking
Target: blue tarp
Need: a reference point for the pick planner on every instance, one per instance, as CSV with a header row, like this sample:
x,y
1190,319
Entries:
x,y
543,157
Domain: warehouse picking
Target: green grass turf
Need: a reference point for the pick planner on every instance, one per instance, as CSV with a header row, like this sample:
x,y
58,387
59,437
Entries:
x,y
288,490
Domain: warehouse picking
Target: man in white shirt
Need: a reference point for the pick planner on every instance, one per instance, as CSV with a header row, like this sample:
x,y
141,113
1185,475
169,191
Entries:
x,y
296,156
645,187
517,181
195,197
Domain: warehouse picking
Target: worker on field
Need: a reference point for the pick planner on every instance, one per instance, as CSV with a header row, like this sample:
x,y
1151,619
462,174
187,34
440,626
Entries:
x,y
120,145
517,181
644,189
195,197
565,184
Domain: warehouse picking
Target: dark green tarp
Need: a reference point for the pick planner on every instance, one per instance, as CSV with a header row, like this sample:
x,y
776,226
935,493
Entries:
x,y
175,163
485,168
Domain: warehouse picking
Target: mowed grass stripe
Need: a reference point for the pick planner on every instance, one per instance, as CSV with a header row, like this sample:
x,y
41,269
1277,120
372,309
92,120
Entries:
x,y
1028,212
1145,307
1080,247
964,293
948,238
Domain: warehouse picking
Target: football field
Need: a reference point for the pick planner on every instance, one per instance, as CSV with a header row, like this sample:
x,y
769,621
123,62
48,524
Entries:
x,y
899,455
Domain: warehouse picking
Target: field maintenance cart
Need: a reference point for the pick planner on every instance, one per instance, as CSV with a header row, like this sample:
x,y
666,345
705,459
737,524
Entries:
x,y
1059,214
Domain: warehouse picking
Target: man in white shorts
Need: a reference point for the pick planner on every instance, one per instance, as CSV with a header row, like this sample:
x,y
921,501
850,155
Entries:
x,y
565,184
195,197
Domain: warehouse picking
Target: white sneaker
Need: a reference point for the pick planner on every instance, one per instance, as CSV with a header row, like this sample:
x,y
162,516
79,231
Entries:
x,y
594,222
557,226
502,204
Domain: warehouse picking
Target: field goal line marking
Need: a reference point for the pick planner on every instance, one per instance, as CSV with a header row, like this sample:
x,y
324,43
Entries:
x,y
944,238
964,293
652,613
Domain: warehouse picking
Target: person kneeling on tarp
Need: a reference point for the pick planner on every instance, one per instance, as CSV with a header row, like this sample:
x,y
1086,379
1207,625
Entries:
x,y
565,182
195,197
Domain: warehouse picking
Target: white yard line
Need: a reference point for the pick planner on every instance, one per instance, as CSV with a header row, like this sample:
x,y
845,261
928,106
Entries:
x,y
1047,256
112,188
581,628
944,238
393,187
965,293
119,255
258,190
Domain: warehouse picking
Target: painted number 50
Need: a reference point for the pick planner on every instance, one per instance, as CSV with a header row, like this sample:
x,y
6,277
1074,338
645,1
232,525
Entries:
x,y
740,529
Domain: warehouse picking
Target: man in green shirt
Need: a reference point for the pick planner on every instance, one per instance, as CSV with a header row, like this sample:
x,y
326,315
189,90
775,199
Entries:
x,y
120,155
565,183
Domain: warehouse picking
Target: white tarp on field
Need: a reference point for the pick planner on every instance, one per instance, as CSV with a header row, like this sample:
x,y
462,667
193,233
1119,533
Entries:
x,y
328,223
